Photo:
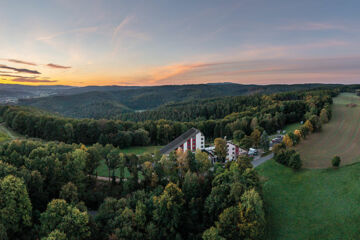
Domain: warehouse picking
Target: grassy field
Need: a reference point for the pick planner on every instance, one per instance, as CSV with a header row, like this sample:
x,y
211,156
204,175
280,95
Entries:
x,y
292,127
141,150
311,203
103,169
341,136
5,135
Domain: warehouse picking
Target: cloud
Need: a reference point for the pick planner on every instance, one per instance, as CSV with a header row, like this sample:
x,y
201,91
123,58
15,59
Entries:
x,y
266,71
20,70
32,80
18,78
313,26
121,26
84,30
51,65
11,75
122,32
21,62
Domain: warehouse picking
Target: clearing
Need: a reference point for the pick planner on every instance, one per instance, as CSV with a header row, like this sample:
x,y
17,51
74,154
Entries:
x,y
311,203
103,170
6,134
341,136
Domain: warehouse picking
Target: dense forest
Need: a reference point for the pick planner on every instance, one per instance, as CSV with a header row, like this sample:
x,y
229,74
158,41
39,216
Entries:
x,y
47,190
113,101
215,118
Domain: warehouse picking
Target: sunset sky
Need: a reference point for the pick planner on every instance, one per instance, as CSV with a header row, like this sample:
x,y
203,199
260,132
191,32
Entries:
x,y
113,42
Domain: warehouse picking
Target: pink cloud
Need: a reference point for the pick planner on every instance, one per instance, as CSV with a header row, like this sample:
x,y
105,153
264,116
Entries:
x,y
51,65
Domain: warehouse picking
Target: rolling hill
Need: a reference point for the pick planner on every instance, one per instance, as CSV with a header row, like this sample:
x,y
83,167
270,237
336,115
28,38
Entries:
x,y
112,101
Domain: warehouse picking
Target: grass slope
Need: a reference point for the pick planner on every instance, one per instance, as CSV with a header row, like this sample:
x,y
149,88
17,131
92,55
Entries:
x,y
311,204
341,136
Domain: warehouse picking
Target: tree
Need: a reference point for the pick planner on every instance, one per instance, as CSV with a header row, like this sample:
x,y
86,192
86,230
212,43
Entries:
x,y
324,117
220,148
203,160
255,136
112,161
69,193
191,186
288,141
66,218
254,123
212,234
238,135
264,141
309,126
15,205
168,211
192,163
93,159
298,133
315,121
246,142
228,223
335,162
252,216
56,235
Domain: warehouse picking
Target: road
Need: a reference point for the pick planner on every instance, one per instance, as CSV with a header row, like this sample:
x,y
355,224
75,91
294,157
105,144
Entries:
x,y
261,160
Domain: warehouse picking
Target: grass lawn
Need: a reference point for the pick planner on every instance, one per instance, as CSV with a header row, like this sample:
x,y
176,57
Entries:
x,y
3,137
141,150
4,134
104,171
341,136
311,203
288,128
292,127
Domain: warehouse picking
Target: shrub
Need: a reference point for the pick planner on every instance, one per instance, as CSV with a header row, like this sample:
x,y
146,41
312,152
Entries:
x,y
295,161
288,158
336,161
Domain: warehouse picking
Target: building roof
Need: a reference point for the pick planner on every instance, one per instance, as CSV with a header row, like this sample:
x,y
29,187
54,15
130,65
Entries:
x,y
179,140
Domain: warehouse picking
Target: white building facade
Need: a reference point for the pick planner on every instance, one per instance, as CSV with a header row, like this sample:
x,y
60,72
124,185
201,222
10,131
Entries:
x,y
233,151
191,140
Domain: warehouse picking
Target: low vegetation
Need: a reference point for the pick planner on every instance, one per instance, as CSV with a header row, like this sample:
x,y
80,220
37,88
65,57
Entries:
x,y
311,204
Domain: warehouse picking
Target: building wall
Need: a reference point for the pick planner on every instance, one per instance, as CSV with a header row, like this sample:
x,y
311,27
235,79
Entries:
x,y
233,151
200,141
194,143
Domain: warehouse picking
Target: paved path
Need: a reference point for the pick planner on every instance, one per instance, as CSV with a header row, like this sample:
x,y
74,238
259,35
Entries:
x,y
261,160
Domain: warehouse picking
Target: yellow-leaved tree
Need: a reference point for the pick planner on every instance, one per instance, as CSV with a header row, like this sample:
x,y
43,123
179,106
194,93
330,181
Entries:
x,y
288,141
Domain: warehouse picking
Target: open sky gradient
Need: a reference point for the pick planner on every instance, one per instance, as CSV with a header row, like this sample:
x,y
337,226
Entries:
x,y
114,42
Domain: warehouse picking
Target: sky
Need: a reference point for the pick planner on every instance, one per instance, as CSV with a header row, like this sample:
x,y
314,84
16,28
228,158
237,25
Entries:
x,y
158,42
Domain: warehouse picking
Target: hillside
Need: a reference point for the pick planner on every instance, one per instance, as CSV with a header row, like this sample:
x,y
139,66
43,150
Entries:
x,y
341,136
111,102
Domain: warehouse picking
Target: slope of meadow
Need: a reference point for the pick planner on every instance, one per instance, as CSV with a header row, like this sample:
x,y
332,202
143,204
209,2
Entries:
x,y
341,136
311,203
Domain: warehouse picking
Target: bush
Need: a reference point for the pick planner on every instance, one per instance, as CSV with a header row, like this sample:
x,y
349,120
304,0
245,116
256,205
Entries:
x,y
336,161
295,161
289,158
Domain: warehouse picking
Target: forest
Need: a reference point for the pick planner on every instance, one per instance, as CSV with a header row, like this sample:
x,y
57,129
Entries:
x,y
215,118
47,190
112,101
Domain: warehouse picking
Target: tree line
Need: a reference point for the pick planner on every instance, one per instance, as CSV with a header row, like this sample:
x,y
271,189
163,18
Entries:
x,y
236,114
